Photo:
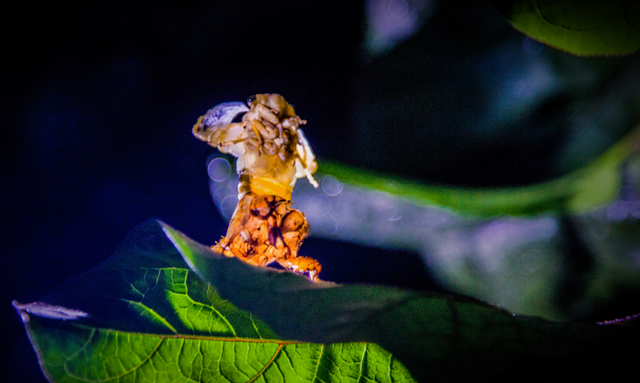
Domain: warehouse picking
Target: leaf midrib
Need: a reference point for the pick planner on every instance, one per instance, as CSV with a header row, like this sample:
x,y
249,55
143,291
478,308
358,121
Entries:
x,y
194,337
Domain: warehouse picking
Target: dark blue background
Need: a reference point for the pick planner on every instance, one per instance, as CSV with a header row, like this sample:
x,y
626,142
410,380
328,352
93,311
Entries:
x,y
99,99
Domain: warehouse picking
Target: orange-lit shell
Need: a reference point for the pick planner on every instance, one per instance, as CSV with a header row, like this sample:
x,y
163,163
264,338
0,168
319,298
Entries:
x,y
264,229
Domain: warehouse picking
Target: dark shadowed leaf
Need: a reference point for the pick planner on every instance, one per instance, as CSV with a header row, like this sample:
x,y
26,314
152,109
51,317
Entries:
x,y
583,28
145,315
439,337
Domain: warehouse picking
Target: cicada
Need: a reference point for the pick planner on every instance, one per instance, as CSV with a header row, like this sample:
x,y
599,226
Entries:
x,y
272,154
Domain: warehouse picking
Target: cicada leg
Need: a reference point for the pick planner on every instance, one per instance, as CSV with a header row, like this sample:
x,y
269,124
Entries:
x,y
303,265
295,228
243,232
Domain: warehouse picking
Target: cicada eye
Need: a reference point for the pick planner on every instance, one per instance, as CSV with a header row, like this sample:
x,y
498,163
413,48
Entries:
x,y
251,99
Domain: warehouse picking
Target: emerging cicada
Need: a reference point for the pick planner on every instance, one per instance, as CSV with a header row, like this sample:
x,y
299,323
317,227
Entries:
x,y
272,153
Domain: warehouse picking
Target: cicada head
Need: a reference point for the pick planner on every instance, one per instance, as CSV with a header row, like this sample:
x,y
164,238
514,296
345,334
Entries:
x,y
281,108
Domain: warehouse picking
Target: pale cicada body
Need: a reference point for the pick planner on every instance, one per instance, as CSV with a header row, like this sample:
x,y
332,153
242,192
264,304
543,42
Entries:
x,y
272,154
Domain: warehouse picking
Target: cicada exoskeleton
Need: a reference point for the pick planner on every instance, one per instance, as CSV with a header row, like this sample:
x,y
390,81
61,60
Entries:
x,y
272,154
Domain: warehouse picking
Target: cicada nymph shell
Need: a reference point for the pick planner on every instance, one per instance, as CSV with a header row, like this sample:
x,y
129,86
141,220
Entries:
x,y
272,154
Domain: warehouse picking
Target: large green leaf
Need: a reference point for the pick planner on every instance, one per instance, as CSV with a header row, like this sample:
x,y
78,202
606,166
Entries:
x,y
144,315
587,27
583,190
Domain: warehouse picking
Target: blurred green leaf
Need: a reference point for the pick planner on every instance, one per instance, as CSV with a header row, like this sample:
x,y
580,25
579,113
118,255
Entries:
x,y
588,27
144,315
580,191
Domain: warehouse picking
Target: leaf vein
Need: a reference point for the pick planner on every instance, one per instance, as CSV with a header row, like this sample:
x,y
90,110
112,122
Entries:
x,y
364,355
269,363
153,313
315,373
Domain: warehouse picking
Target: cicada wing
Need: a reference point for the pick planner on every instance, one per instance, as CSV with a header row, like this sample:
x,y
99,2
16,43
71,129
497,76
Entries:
x,y
223,114
212,126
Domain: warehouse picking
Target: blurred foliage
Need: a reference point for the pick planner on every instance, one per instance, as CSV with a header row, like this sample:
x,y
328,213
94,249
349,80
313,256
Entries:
x,y
580,191
481,109
585,28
